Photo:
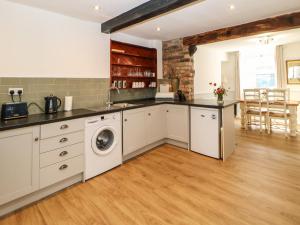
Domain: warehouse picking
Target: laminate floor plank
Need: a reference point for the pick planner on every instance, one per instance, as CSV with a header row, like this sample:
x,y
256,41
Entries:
x,y
259,184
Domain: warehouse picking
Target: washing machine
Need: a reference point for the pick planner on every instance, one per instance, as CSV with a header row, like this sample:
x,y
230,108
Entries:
x,y
103,144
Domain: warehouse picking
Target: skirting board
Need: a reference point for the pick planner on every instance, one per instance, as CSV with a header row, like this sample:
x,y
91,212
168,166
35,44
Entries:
x,y
177,143
38,195
154,145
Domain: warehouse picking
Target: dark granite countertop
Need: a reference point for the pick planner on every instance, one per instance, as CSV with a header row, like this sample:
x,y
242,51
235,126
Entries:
x,y
39,119
206,103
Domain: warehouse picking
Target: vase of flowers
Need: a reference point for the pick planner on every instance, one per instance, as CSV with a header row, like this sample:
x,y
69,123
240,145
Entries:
x,y
219,91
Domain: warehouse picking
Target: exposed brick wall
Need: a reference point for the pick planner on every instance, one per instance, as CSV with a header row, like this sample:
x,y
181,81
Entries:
x,y
176,57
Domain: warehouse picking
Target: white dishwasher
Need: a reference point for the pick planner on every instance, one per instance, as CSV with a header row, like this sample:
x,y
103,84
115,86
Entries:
x,y
205,131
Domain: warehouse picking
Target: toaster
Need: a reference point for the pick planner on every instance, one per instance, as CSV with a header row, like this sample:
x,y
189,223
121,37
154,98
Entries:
x,y
14,110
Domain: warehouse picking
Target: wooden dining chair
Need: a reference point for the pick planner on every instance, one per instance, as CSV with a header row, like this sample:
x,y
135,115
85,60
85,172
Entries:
x,y
277,109
253,108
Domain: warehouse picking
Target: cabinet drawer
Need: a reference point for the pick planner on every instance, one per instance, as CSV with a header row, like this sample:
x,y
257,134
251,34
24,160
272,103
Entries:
x,y
60,171
64,127
61,141
61,154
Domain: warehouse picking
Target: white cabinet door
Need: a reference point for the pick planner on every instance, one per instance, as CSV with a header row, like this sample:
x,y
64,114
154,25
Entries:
x,y
155,124
134,130
205,131
228,132
19,163
177,122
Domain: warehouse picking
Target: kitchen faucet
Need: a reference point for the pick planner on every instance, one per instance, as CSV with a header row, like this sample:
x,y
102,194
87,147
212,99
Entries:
x,y
110,103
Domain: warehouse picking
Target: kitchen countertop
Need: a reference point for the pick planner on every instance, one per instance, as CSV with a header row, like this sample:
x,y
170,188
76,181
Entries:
x,y
39,119
206,103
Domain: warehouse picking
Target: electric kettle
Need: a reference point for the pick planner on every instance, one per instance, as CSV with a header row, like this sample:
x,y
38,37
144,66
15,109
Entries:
x,y
52,104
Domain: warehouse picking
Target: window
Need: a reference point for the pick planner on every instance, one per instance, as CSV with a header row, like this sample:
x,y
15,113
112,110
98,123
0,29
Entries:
x,y
258,68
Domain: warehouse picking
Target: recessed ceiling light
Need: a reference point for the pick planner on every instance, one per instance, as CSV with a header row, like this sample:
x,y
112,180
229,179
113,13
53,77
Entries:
x,y
232,7
97,7
157,28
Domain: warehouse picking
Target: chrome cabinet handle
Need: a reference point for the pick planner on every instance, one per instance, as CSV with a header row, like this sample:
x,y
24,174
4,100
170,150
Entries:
x,y
63,167
63,140
125,120
202,115
94,121
167,110
36,139
65,126
149,114
63,153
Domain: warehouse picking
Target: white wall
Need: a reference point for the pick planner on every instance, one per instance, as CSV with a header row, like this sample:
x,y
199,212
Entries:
x,y
207,65
228,71
39,43
292,52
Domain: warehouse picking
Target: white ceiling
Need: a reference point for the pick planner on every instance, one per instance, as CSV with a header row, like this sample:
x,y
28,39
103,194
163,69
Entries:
x,y
197,18
210,15
84,9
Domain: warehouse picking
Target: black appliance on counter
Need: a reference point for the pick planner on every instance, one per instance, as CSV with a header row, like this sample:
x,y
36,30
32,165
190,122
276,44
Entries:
x,y
14,110
180,96
52,104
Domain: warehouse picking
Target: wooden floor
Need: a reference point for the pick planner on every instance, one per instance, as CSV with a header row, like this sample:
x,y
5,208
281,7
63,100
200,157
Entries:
x,y
259,184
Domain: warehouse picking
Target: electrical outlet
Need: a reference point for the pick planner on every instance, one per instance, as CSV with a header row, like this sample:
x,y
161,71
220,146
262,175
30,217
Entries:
x,y
16,91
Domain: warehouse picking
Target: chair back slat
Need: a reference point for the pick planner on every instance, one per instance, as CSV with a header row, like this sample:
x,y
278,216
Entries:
x,y
252,99
252,95
278,97
278,94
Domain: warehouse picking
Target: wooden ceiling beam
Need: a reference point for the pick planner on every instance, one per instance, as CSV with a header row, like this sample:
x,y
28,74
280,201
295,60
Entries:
x,y
143,12
279,23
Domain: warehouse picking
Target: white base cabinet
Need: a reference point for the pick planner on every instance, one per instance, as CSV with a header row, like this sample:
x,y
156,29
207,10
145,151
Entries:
x,y
134,130
177,118
142,127
155,124
29,163
19,163
61,151
145,126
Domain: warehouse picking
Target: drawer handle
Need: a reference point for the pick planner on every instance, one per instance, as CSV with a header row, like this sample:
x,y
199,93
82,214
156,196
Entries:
x,y
167,110
149,114
125,120
63,153
202,115
94,121
63,140
63,167
65,126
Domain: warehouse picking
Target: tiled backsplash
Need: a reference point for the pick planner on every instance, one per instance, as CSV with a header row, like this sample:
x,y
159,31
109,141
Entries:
x,y
89,92
132,94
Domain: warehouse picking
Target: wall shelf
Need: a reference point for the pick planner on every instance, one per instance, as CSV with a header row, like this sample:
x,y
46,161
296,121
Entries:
x,y
127,65
127,59
133,55
133,77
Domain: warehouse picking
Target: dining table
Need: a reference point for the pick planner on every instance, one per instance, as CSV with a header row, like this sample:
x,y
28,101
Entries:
x,y
292,107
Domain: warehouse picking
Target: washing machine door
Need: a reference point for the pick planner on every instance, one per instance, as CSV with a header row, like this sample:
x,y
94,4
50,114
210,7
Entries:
x,y
104,140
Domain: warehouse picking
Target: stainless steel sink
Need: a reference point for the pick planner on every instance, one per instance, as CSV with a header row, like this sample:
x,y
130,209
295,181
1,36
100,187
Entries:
x,y
124,105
